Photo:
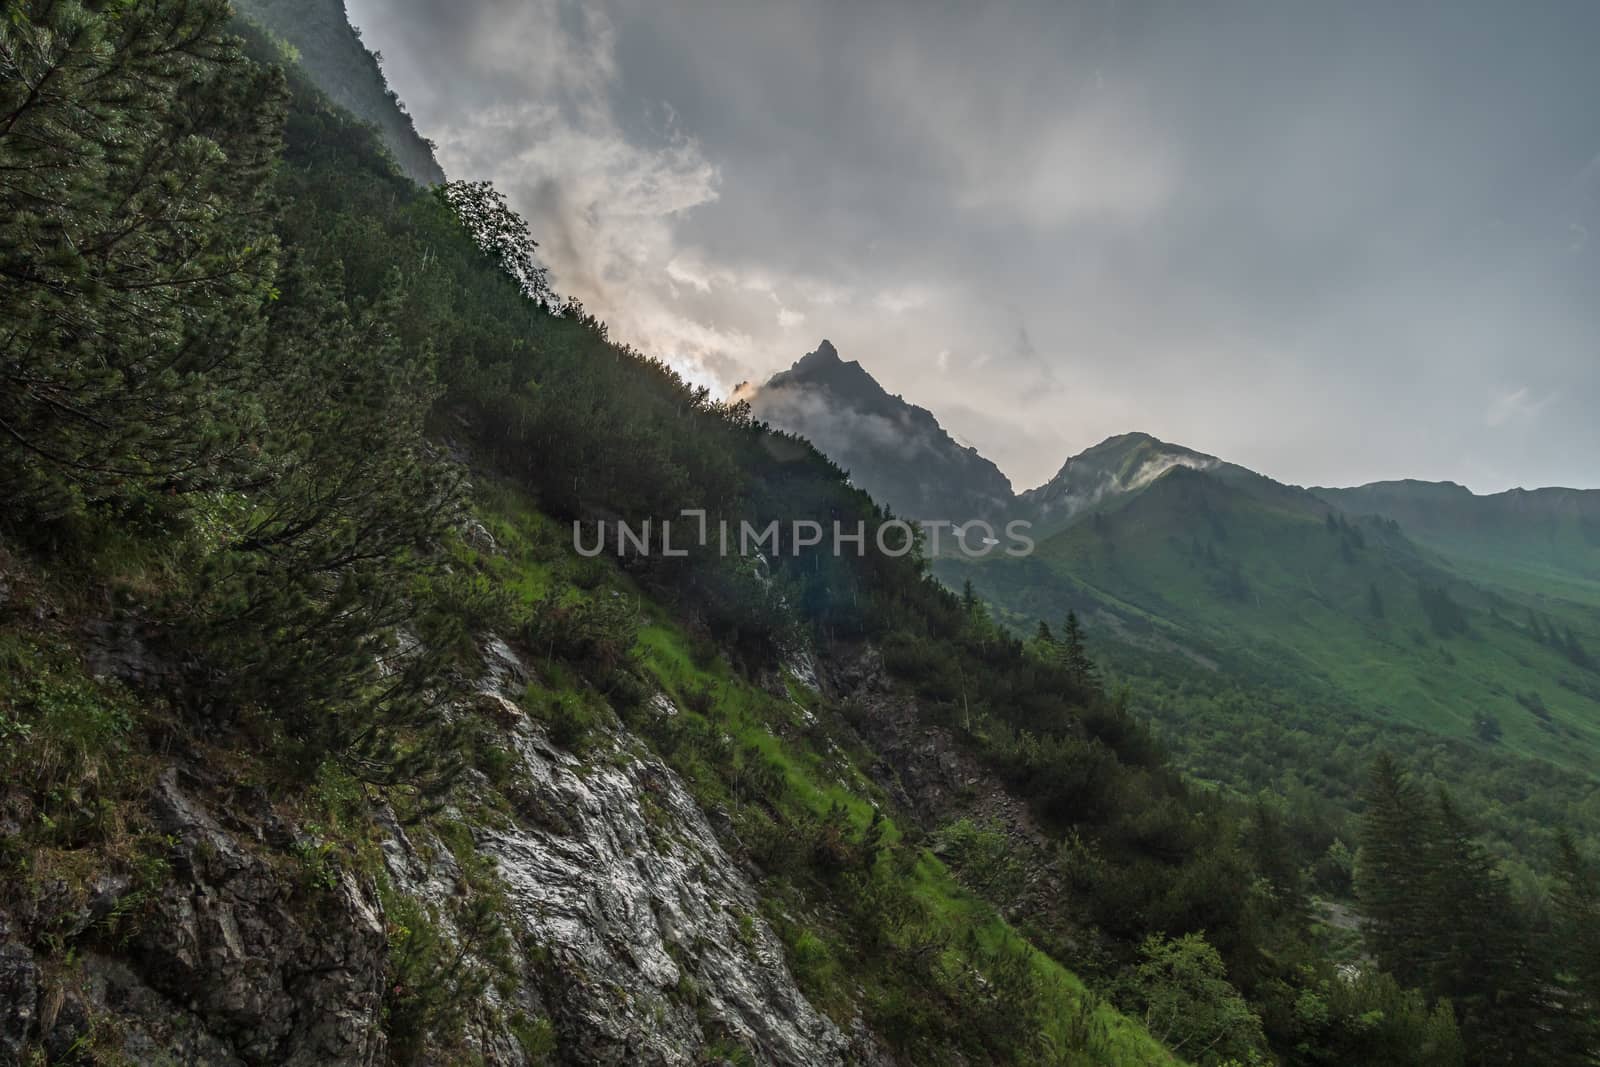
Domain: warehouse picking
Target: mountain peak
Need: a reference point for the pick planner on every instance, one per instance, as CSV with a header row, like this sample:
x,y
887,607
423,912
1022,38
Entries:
x,y
824,369
824,354
822,363
893,449
1118,466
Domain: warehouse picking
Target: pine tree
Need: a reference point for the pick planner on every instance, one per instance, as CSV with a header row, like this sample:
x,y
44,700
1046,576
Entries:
x,y
501,234
136,144
1575,943
1391,875
1374,601
1478,951
1074,655
303,606
1275,856
1576,896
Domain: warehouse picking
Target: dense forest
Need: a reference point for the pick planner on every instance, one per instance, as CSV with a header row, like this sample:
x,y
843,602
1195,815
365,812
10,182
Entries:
x,y
317,435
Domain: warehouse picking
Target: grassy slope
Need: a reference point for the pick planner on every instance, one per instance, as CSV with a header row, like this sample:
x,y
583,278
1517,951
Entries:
x,y
533,554
1256,583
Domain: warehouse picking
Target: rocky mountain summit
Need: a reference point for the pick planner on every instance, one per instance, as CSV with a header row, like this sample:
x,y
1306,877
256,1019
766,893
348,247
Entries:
x,y
893,449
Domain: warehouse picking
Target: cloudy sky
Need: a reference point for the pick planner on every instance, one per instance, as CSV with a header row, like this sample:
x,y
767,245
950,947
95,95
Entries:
x,y
1335,242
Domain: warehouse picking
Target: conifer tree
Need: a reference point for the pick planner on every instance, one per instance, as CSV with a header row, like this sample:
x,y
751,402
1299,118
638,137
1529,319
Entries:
x,y
303,606
1575,943
134,255
501,234
1391,874
1477,949
1074,655
1576,896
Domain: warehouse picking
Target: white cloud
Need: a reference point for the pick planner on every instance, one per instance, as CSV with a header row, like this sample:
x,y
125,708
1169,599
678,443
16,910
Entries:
x,y
1513,405
1091,158
605,202
899,301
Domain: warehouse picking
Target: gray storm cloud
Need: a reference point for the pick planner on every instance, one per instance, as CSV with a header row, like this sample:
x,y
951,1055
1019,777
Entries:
x,y
1334,243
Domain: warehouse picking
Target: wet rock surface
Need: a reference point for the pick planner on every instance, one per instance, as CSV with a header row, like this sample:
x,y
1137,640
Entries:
x,y
648,946
230,961
285,984
931,776
19,995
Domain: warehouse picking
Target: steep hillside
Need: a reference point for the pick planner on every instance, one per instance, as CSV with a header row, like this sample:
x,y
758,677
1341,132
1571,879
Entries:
x,y
1290,592
325,742
331,51
1423,606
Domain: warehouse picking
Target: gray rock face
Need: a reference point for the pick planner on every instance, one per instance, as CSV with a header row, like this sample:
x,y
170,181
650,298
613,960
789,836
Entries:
x,y
632,928
280,984
641,897
231,964
893,449
19,994
653,941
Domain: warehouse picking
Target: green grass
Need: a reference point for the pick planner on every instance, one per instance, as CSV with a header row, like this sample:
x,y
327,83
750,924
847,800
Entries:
x,y
1125,1040
748,714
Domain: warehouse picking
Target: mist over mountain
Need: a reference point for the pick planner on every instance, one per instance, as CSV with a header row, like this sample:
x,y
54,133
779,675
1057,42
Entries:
x,y
1421,602
899,453
891,448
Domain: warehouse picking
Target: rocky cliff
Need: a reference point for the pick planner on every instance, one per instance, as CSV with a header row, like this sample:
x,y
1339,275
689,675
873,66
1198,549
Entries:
x,y
622,931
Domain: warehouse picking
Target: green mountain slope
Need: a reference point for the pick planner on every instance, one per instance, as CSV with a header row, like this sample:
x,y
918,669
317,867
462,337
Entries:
x,y
1267,582
321,745
1546,541
1112,469
324,744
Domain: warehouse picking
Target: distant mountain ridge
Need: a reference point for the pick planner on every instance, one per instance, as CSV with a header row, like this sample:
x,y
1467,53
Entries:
x,y
1553,529
899,452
